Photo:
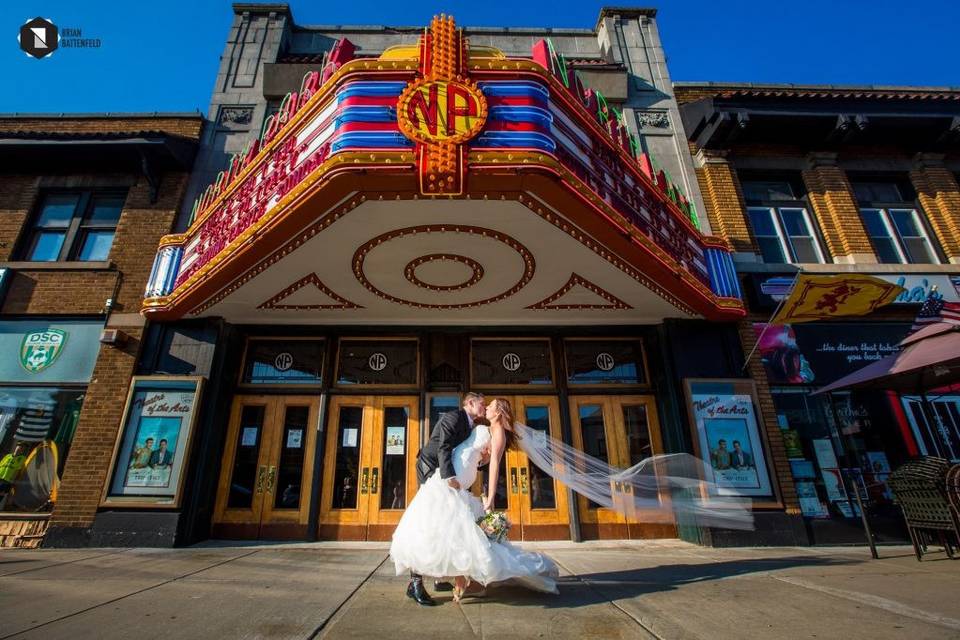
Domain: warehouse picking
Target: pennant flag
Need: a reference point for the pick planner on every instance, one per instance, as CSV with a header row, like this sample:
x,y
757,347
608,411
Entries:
x,y
816,297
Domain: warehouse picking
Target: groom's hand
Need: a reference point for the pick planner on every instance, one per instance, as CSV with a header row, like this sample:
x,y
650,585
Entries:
x,y
453,482
484,458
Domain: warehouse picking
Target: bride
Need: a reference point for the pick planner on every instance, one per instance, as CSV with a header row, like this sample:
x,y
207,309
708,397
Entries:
x,y
438,535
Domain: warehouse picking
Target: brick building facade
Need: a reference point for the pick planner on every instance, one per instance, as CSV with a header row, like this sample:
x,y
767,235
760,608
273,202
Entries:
x,y
834,180
83,201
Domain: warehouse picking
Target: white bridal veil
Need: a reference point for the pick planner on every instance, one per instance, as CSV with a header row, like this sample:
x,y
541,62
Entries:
x,y
662,488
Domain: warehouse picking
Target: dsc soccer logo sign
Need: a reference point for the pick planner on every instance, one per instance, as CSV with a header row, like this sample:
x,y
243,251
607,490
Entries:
x,y
438,111
40,349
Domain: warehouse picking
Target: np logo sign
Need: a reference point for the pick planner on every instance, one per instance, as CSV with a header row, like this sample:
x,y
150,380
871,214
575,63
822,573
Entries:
x,y
40,349
437,111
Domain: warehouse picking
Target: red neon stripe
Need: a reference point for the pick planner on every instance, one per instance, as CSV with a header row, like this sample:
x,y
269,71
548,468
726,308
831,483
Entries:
x,y
515,101
505,125
368,126
902,423
369,101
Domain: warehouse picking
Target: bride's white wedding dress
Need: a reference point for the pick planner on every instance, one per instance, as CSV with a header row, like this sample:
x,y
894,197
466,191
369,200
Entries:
x,y
438,535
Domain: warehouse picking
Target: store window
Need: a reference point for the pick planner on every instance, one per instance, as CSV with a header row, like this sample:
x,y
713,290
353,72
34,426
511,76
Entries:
x,y
44,369
511,363
839,444
780,222
378,362
76,225
283,362
37,425
605,362
935,422
895,227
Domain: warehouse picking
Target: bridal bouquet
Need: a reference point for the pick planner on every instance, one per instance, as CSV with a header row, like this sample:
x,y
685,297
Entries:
x,y
495,525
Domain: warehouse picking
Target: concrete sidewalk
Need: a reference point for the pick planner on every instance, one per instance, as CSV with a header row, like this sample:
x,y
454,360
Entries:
x,y
608,590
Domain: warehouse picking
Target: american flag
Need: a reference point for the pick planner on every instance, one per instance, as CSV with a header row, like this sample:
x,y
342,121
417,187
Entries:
x,y
936,309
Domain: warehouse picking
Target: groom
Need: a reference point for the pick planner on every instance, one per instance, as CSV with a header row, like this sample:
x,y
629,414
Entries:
x,y
451,429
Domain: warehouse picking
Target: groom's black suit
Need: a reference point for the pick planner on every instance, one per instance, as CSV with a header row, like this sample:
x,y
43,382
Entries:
x,y
451,429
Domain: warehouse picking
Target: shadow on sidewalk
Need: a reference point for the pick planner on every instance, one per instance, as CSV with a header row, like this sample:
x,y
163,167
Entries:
x,y
593,588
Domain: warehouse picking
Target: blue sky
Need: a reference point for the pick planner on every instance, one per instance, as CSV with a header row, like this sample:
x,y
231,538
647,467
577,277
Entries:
x,y
163,55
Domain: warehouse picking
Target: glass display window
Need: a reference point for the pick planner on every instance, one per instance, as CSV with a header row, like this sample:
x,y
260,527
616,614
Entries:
x,y
37,426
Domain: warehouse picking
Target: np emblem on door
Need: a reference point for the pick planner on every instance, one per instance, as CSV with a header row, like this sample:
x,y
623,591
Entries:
x,y
605,361
377,361
283,361
511,361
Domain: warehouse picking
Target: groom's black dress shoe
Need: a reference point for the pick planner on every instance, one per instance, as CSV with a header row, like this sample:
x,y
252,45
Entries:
x,y
417,592
440,585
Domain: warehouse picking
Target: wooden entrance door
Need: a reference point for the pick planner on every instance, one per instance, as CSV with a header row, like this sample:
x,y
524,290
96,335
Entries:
x,y
535,503
265,478
369,471
622,430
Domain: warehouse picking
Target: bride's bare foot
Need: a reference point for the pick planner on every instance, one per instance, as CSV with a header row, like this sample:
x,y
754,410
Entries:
x,y
459,587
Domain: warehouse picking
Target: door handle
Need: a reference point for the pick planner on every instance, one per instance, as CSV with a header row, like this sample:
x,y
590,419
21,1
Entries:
x,y
261,474
363,480
523,480
375,484
513,479
271,479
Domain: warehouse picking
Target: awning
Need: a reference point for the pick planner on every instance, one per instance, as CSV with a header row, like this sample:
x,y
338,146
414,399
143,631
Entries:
x,y
930,359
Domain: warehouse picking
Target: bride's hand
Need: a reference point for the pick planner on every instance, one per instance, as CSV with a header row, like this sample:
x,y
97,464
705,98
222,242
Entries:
x,y
488,504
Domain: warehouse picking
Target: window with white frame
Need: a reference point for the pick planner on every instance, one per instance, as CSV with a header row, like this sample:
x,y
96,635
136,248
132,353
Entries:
x,y
780,222
895,227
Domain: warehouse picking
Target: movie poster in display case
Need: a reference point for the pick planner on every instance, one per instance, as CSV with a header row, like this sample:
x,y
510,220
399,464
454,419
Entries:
x,y
728,436
152,449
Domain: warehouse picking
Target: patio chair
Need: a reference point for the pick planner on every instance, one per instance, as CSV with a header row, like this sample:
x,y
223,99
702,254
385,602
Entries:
x,y
920,488
953,490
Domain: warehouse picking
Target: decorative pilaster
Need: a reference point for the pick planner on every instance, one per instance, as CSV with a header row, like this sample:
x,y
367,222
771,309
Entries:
x,y
724,201
836,210
939,196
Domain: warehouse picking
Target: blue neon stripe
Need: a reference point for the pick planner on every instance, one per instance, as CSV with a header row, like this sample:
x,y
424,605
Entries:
x,y
515,89
366,114
540,117
519,139
375,139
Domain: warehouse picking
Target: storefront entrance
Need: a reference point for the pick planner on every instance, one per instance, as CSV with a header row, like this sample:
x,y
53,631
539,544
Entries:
x,y
369,472
265,480
622,430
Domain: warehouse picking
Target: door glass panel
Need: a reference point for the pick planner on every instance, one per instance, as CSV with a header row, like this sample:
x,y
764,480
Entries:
x,y
243,480
639,443
605,362
290,464
541,485
440,405
500,498
638,432
348,458
512,362
283,362
594,434
377,362
393,467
